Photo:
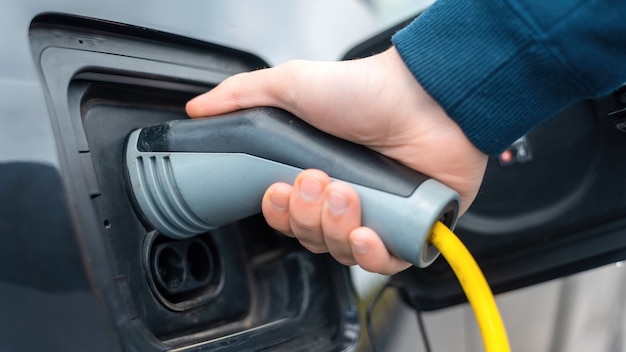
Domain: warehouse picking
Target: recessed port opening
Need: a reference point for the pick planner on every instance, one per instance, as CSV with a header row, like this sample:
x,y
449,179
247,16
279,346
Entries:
x,y
232,279
170,269
183,274
253,293
200,261
168,281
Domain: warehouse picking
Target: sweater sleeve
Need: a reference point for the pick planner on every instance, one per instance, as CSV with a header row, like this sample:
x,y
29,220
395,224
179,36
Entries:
x,y
500,67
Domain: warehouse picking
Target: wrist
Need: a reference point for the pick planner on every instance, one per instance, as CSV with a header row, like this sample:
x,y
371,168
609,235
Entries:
x,y
426,138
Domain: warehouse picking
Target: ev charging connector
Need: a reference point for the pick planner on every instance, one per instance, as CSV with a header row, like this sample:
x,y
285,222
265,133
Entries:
x,y
190,176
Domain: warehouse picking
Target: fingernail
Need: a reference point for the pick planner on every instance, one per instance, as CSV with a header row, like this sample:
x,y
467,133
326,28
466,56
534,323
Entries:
x,y
280,202
310,189
337,203
359,247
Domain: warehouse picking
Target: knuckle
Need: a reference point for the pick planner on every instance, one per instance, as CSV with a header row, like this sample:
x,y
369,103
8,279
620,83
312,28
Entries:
x,y
314,248
234,96
337,236
293,66
280,225
290,71
305,224
347,261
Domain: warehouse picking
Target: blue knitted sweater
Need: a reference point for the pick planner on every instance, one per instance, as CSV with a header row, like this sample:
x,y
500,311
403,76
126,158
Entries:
x,y
500,67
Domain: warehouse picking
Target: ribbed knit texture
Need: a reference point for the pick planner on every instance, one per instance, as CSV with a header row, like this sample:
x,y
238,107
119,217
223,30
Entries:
x,y
500,67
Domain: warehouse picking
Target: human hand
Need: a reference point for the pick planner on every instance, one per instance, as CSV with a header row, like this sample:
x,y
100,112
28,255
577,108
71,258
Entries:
x,y
373,101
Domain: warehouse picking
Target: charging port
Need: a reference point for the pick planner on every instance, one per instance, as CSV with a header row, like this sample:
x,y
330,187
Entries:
x,y
238,287
183,272
181,266
169,269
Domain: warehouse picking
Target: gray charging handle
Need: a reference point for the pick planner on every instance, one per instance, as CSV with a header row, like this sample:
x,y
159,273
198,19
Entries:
x,y
183,190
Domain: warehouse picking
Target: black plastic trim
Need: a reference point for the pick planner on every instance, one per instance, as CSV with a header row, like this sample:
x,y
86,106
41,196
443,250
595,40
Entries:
x,y
277,135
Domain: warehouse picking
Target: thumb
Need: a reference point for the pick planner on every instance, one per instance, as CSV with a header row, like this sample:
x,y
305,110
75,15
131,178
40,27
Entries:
x,y
244,90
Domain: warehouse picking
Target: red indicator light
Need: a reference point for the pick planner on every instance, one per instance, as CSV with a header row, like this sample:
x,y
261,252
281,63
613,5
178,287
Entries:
x,y
506,156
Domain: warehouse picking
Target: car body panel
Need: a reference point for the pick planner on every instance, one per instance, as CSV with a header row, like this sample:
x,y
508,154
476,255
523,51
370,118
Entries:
x,y
59,289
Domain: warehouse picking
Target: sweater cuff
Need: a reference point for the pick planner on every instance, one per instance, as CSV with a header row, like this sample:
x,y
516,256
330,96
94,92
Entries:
x,y
480,62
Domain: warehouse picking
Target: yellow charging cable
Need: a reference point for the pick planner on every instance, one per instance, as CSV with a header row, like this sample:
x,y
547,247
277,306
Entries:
x,y
475,287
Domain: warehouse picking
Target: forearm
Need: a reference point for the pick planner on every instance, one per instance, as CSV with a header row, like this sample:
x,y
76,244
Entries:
x,y
500,67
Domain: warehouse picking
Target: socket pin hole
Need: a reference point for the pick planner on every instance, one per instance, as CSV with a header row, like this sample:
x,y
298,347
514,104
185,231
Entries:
x,y
200,261
171,268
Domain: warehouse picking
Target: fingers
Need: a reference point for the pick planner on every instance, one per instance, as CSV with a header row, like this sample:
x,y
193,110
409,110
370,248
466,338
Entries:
x,y
341,215
371,254
266,87
298,209
305,209
275,207
325,216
